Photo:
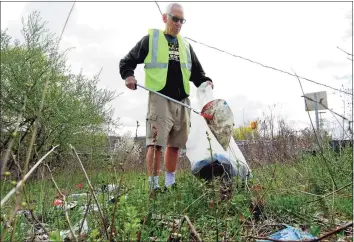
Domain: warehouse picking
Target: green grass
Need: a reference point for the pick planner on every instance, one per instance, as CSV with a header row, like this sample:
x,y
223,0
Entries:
x,y
288,195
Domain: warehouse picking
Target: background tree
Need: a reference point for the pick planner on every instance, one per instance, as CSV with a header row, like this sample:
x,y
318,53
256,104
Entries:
x,y
75,110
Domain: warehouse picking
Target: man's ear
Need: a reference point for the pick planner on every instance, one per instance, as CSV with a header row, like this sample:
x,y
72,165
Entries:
x,y
164,18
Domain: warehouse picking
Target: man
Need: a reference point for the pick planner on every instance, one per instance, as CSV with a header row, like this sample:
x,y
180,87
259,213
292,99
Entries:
x,y
170,64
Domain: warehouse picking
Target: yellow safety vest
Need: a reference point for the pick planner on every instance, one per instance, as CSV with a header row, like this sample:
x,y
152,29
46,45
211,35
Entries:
x,y
156,62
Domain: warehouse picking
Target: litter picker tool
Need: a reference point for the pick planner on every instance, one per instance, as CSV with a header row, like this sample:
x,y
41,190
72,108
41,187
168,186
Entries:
x,y
217,115
206,116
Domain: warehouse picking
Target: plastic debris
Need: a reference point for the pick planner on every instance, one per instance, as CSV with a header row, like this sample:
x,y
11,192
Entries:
x,y
71,205
26,213
94,208
64,234
80,186
57,202
77,196
109,187
289,233
41,238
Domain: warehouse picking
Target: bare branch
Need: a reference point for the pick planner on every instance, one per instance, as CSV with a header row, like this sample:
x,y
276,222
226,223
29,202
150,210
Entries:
x,y
192,228
331,193
38,222
83,220
317,137
92,191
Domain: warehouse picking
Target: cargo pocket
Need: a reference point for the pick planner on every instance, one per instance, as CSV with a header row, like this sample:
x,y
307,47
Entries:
x,y
151,120
151,117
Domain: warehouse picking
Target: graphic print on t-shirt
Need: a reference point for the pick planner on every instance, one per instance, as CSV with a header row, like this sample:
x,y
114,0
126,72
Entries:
x,y
173,52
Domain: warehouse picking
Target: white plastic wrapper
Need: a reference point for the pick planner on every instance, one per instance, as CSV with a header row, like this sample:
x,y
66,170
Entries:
x,y
230,160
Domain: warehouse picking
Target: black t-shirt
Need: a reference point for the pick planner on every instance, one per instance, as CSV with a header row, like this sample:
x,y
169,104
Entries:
x,y
174,87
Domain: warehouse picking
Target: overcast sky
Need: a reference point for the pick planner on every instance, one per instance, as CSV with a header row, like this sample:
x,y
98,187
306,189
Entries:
x,y
285,35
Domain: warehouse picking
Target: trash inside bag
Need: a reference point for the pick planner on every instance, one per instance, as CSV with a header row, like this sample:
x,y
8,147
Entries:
x,y
222,123
289,233
227,162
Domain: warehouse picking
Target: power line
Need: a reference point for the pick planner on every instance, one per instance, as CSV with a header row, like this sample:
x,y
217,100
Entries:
x,y
269,67
66,21
345,51
158,7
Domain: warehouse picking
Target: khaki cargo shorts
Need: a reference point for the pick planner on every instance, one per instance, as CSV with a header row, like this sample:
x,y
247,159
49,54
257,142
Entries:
x,y
171,119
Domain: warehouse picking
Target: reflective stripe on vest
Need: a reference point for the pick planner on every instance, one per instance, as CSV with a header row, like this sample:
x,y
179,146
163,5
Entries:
x,y
155,44
189,59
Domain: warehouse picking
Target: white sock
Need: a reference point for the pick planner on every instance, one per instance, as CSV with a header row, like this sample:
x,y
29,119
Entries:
x,y
155,183
169,178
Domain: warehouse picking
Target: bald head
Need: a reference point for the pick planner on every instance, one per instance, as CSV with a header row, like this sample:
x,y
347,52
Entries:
x,y
171,6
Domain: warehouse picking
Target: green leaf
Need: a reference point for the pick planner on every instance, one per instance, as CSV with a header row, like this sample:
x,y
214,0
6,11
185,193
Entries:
x,y
94,233
315,230
54,236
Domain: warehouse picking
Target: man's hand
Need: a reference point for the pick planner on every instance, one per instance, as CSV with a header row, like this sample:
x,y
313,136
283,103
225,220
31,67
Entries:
x,y
130,82
210,83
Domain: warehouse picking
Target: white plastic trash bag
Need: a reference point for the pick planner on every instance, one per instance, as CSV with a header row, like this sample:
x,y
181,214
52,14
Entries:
x,y
229,162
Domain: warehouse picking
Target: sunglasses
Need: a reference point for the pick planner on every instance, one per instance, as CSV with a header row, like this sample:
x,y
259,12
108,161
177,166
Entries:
x,y
176,19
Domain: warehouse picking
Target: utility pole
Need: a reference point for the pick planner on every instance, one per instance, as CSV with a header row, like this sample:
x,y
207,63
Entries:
x,y
317,119
350,127
343,119
243,115
321,122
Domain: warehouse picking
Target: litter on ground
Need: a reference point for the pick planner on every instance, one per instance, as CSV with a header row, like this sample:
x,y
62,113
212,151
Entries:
x,y
289,233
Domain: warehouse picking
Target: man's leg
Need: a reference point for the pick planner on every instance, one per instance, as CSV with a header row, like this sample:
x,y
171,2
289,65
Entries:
x,y
153,162
158,126
170,161
176,141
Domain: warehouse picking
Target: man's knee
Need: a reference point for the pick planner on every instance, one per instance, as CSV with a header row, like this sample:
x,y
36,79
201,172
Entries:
x,y
173,149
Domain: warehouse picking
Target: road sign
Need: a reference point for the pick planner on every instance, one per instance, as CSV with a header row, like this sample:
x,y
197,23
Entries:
x,y
316,101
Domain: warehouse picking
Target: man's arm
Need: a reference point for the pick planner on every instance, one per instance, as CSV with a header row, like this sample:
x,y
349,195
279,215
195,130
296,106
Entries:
x,y
135,56
198,74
